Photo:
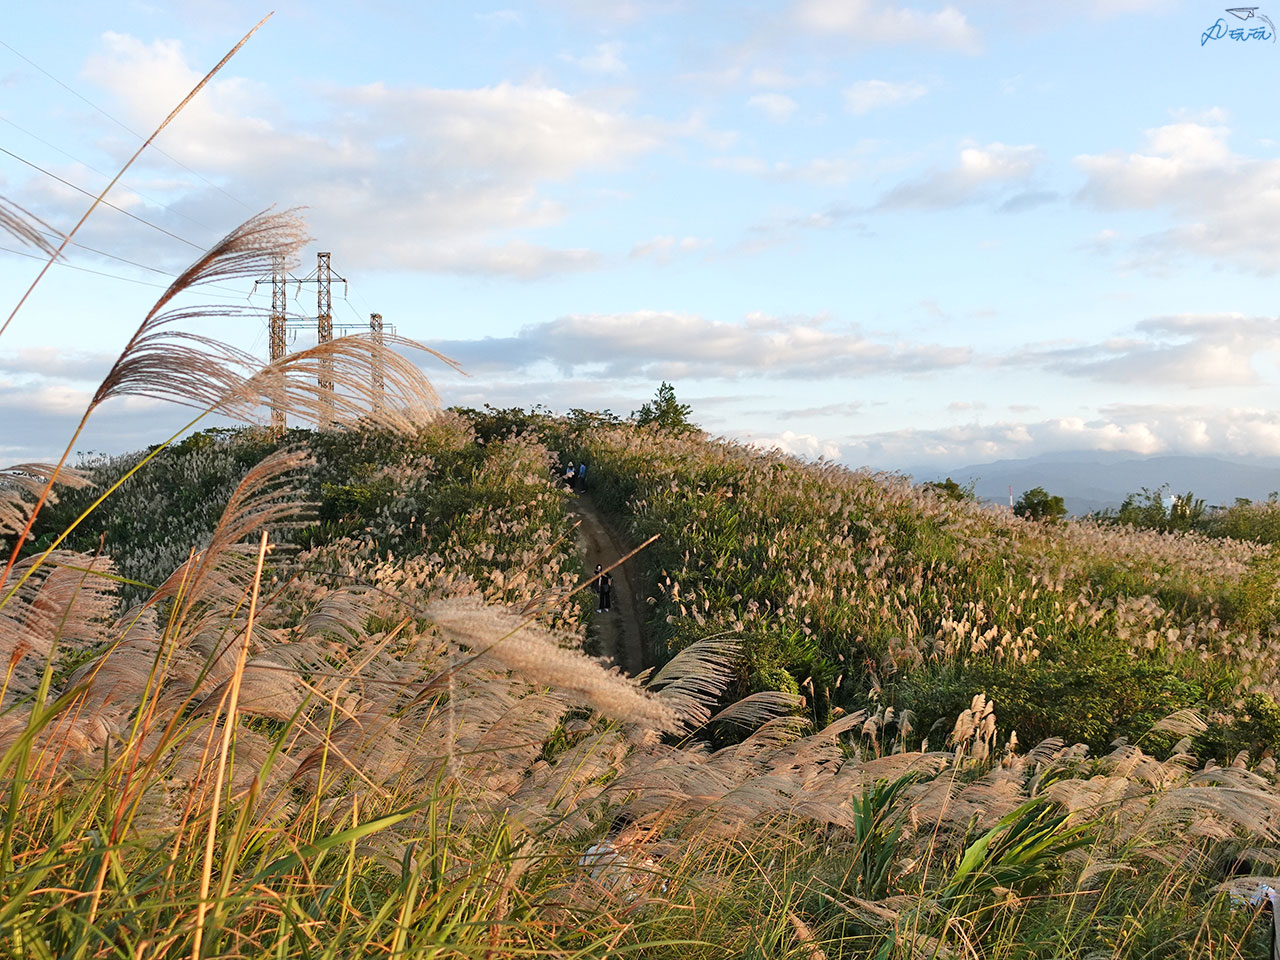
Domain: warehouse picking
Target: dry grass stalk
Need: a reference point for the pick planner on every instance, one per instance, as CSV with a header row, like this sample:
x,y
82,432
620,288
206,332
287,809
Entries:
x,y
233,701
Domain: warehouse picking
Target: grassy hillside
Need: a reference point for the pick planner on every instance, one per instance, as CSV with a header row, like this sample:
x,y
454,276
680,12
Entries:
x,y
871,593
387,743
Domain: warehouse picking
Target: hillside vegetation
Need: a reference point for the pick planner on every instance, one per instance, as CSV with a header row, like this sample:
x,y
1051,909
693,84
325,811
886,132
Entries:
x,y
873,593
325,695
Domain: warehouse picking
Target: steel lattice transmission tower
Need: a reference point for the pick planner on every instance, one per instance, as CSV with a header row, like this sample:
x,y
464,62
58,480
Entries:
x,y
279,306
324,333
323,277
377,374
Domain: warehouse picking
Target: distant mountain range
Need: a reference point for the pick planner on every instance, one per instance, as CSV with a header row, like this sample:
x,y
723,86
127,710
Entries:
x,y
1089,481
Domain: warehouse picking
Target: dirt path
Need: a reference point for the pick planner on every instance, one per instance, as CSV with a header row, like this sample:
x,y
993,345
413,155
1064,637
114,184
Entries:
x,y
619,631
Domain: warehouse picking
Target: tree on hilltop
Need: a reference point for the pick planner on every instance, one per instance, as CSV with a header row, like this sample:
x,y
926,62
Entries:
x,y
1038,504
951,490
1147,510
665,412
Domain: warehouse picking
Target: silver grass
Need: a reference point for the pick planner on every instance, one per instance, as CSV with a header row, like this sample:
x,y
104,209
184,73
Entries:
x,y
757,708
65,603
693,680
22,484
267,498
1188,722
500,638
189,369
27,228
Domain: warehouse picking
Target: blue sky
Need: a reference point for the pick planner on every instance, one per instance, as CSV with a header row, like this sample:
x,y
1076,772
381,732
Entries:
x,y
887,233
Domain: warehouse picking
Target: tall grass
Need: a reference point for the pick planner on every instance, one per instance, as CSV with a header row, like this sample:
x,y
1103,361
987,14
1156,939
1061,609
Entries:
x,y
345,712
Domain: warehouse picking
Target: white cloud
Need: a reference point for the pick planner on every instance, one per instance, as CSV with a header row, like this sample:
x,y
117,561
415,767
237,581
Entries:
x,y
867,95
805,445
981,173
657,345
778,107
1225,204
876,22
56,362
1142,430
1191,350
662,248
412,177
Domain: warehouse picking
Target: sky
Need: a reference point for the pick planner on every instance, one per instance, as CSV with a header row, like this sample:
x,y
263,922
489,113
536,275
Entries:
x,y
891,234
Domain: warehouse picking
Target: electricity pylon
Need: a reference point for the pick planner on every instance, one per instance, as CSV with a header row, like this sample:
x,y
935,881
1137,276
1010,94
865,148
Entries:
x,y
323,277
278,325
377,373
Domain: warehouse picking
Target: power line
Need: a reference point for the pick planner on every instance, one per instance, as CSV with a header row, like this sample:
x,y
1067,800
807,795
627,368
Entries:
x,y
123,126
87,166
102,273
105,203
132,263
112,256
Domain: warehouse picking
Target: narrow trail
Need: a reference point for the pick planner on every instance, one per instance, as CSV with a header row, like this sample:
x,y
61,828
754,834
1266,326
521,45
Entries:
x,y
620,631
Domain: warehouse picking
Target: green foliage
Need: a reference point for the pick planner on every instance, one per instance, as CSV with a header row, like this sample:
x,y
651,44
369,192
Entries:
x,y
1252,726
1092,695
1245,520
878,821
665,412
1146,510
951,490
1038,504
495,423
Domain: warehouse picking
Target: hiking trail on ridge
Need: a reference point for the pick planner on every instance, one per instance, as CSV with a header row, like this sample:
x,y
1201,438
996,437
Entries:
x,y
620,630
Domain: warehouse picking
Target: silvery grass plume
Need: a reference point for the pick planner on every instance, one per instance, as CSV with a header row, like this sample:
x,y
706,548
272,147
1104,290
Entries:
x,y
20,487
502,638
27,228
64,608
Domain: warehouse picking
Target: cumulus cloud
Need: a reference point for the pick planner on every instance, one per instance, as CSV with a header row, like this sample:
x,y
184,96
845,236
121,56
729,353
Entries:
x,y
1191,350
1142,430
656,345
56,362
867,95
981,173
873,22
1225,204
38,417
805,445
451,180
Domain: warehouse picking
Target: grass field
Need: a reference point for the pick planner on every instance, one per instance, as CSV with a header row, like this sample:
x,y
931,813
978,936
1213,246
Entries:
x,y
324,695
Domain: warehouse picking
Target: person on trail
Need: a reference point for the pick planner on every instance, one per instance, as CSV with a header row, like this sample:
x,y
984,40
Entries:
x,y
582,478
604,588
568,476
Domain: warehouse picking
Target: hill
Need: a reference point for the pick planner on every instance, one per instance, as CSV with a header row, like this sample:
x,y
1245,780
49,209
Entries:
x,y
823,761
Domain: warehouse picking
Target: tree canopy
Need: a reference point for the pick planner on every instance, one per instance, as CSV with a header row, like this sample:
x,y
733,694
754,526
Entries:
x,y
1038,504
665,412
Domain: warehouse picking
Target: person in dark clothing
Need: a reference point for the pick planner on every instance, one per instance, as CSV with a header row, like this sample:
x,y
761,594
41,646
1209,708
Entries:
x,y
606,590
603,584
582,478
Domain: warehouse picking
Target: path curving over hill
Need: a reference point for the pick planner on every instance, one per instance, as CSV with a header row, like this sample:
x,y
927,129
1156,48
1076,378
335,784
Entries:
x,y
620,631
